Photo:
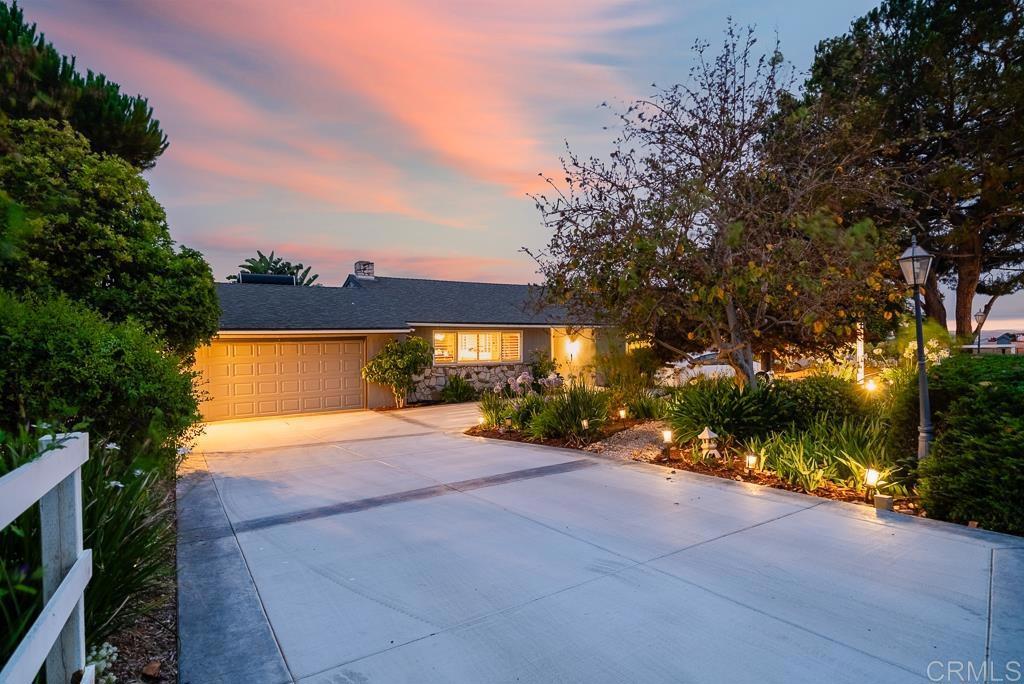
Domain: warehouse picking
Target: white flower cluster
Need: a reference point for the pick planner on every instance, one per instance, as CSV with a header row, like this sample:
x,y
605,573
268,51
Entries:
x,y
934,352
102,658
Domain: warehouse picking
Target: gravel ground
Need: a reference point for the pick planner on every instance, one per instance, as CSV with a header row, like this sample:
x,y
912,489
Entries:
x,y
639,443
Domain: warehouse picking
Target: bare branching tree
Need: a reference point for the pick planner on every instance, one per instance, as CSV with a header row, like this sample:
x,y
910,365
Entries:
x,y
723,218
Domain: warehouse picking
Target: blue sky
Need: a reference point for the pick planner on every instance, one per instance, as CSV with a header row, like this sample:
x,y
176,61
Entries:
x,y
407,133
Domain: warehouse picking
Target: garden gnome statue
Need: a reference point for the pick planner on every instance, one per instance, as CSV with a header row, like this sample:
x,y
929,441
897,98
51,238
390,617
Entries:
x,y
709,444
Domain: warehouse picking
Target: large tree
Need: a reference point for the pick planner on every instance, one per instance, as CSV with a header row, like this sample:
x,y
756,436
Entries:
x,y
940,86
85,225
722,218
39,82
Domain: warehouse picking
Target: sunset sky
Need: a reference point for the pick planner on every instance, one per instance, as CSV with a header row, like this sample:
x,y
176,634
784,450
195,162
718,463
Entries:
x,y
406,133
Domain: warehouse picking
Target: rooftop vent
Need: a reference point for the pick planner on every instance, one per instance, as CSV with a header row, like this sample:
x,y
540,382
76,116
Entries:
x,y
265,279
363,270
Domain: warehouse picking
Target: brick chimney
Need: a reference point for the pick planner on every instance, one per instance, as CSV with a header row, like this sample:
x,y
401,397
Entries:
x,y
363,270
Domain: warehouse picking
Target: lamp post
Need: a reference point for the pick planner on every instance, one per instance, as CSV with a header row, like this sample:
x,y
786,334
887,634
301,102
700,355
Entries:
x,y
915,263
980,319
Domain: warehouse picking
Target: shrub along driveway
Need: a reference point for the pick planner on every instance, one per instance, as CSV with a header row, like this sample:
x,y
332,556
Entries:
x,y
385,547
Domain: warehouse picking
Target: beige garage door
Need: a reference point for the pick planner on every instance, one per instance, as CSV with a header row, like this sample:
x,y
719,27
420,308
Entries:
x,y
247,379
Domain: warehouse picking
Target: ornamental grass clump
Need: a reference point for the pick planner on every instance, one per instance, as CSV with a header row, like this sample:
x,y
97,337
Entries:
x,y
735,413
575,414
494,408
829,450
127,521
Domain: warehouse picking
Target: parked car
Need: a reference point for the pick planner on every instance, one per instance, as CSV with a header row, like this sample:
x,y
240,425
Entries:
x,y
706,364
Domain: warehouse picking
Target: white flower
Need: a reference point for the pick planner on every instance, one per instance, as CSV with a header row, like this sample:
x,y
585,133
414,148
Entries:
x,y
114,484
138,472
111,446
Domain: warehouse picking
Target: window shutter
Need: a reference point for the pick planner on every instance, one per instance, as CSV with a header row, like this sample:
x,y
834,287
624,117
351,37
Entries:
x,y
511,343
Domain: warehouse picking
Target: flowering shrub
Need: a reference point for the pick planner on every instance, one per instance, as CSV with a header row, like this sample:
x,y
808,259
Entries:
x,y
934,352
552,383
521,385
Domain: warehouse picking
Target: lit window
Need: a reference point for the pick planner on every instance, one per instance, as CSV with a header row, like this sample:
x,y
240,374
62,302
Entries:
x,y
511,346
444,347
476,346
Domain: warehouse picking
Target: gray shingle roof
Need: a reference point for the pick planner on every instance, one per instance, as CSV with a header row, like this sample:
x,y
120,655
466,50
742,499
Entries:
x,y
381,304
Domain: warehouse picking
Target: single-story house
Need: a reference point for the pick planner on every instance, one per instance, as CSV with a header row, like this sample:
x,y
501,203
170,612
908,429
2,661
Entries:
x,y
285,349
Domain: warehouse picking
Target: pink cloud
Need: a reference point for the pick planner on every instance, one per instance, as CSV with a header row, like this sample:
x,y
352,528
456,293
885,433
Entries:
x,y
228,246
464,81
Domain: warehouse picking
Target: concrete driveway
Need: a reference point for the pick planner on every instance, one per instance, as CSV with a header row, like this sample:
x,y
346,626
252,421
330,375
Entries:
x,y
387,547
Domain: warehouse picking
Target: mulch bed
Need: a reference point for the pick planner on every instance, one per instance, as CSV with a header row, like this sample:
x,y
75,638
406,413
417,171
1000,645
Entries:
x,y
150,644
735,470
681,459
510,435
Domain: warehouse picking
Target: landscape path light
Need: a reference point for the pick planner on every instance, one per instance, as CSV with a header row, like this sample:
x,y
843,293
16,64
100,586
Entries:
x,y
871,483
915,263
751,463
622,414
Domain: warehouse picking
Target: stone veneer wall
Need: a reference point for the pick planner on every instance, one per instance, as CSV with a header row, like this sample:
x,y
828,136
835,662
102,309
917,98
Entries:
x,y
481,377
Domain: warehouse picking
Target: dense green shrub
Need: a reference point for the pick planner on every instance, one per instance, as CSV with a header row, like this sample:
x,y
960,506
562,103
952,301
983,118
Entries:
x,y
733,412
955,377
397,364
92,231
127,522
58,359
646,405
563,414
976,469
627,375
804,401
522,410
542,365
457,390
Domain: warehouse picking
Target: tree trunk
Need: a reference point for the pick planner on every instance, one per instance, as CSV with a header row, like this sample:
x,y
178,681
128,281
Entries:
x,y
968,274
741,356
934,306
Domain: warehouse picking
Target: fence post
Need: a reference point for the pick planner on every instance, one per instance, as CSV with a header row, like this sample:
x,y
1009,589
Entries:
x,y
60,518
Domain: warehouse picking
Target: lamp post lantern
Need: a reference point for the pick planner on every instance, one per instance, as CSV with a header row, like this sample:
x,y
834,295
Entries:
x,y
980,319
915,264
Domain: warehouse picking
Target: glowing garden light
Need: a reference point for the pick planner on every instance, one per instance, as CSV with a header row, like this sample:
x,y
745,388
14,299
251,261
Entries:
x,y
871,477
751,463
622,414
870,385
666,436
585,423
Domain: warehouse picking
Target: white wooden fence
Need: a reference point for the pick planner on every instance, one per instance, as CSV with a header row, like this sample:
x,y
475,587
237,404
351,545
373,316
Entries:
x,y
57,637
